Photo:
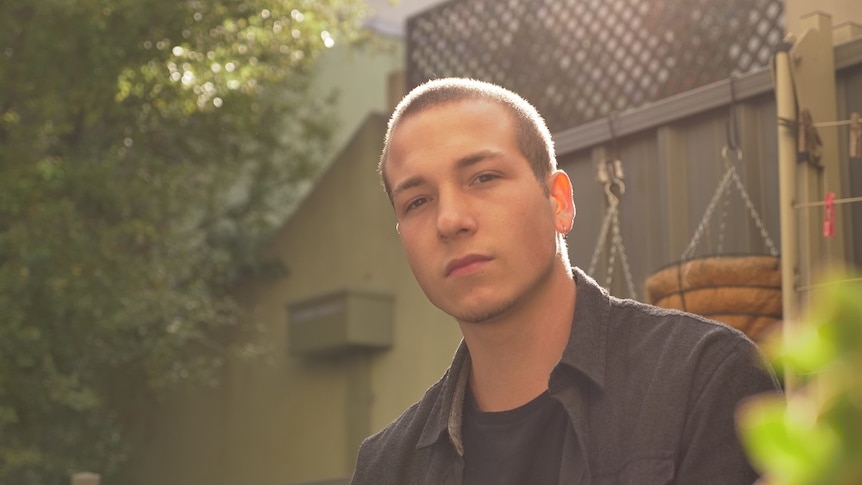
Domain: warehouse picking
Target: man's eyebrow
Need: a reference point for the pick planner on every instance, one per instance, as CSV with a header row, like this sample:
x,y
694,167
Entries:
x,y
475,158
460,164
407,184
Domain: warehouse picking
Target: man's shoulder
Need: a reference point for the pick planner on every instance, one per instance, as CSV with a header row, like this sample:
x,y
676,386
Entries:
x,y
677,341
390,451
641,318
630,321
401,429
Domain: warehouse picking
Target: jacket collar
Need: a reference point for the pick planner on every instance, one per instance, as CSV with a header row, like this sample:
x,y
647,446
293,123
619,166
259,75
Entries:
x,y
446,413
587,345
585,353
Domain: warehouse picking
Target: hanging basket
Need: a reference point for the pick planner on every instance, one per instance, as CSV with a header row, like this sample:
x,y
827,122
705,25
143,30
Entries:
x,y
741,291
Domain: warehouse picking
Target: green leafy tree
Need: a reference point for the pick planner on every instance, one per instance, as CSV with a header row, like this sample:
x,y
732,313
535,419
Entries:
x,y
146,147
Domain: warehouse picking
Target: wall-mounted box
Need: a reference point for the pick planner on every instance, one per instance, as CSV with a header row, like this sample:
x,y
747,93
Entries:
x,y
339,322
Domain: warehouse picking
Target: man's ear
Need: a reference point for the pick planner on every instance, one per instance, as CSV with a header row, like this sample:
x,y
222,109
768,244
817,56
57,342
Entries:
x,y
562,201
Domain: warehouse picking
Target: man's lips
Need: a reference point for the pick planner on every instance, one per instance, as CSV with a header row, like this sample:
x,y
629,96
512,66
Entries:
x,y
465,265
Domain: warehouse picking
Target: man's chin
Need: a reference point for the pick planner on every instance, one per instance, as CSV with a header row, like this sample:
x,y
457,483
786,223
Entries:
x,y
479,313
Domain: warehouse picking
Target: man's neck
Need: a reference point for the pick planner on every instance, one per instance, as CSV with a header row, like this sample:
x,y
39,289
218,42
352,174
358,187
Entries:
x,y
512,357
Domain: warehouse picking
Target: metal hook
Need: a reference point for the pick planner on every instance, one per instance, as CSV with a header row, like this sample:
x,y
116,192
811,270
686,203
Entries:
x,y
613,200
725,151
732,127
614,171
610,174
613,133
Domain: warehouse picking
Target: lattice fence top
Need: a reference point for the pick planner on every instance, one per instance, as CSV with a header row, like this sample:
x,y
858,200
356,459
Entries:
x,y
580,60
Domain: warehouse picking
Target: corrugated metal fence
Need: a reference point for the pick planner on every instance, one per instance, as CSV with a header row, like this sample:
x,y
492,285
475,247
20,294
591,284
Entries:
x,y
671,153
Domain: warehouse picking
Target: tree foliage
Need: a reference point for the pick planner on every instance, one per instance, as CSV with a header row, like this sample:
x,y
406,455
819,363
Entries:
x,y
146,146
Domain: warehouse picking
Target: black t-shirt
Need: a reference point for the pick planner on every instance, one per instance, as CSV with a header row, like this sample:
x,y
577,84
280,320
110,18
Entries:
x,y
517,447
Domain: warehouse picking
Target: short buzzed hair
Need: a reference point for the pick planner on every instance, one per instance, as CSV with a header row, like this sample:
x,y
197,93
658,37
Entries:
x,y
533,137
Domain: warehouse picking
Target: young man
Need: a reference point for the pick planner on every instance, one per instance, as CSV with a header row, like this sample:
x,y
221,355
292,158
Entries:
x,y
555,381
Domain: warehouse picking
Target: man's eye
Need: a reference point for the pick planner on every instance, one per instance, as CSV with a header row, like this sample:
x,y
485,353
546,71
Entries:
x,y
486,177
416,203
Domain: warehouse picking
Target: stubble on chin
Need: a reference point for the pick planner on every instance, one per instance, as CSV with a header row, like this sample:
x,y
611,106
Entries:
x,y
482,315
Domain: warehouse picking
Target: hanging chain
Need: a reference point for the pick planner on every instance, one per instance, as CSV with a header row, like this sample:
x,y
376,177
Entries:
x,y
722,186
730,175
617,242
723,224
612,252
754,215
603,234
611,175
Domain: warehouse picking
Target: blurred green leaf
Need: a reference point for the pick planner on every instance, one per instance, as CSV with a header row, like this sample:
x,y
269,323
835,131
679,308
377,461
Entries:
x,y
787,443
808,348
815,437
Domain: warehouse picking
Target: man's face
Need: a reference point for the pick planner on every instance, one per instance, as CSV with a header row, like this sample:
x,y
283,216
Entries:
x,y
478,228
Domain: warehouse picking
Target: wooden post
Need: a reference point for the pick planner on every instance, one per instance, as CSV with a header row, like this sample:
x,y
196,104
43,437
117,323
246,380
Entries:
x,y
812,64
86,478
787,191
846,13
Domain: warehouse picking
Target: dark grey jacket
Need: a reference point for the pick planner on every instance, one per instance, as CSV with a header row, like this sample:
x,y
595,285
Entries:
x,y
650,394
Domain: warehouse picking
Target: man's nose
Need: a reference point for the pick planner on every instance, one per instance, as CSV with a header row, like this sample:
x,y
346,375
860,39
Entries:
x,y
454,215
